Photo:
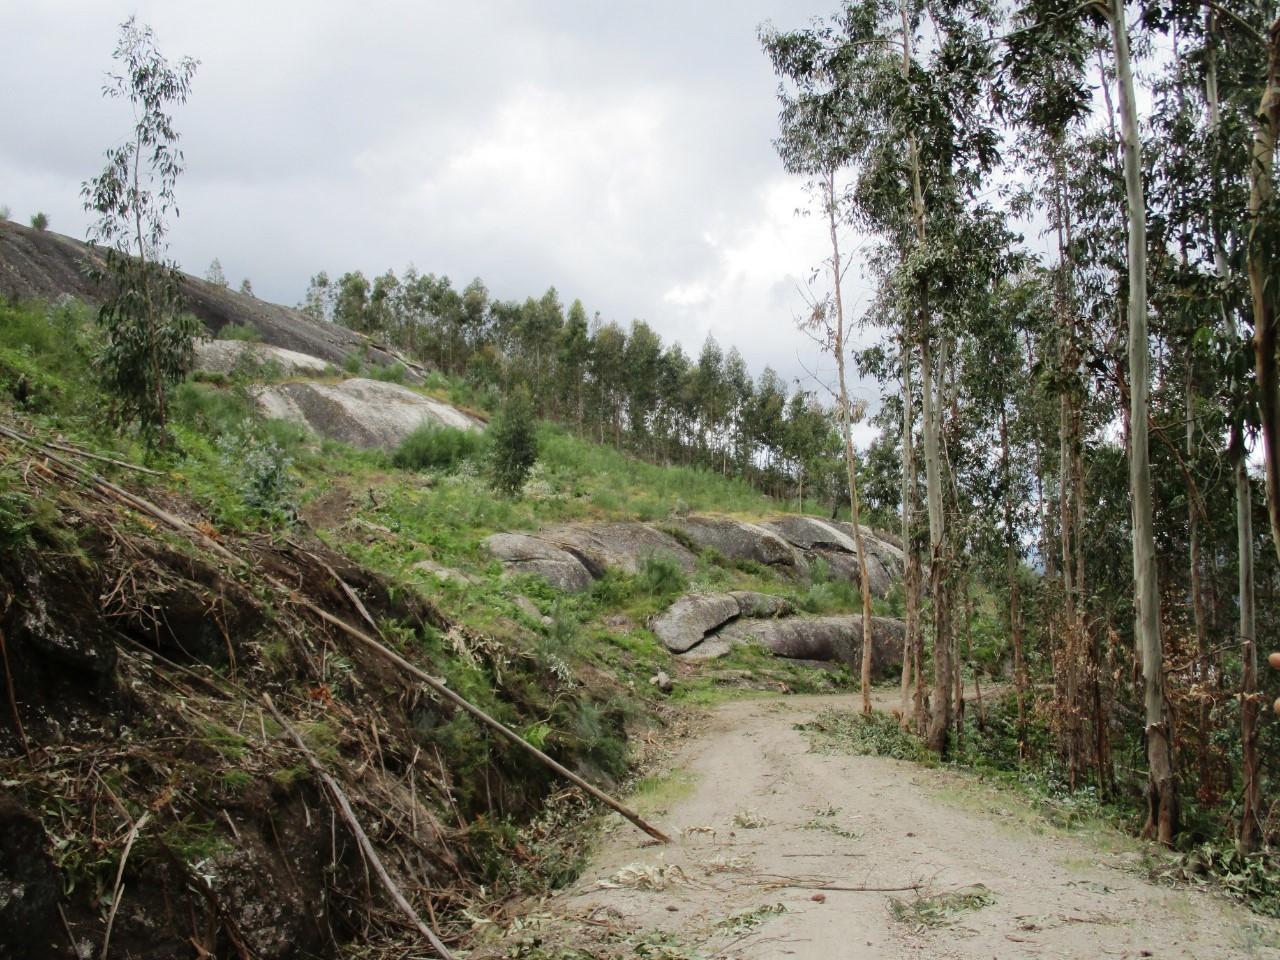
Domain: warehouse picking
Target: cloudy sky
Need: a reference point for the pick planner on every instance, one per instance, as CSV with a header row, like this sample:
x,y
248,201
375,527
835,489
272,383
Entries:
x,y
620,152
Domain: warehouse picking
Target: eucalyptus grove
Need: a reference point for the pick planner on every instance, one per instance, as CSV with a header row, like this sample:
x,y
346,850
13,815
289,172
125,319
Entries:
x,y
1108,381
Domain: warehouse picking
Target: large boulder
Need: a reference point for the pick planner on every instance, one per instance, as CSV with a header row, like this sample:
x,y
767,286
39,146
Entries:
x,y
837,639
738,540
683,624
364,413
835,544
230,356
619,546
521,554
30,887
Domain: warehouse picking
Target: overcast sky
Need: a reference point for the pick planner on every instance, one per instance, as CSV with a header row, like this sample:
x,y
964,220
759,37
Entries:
x,y
620,152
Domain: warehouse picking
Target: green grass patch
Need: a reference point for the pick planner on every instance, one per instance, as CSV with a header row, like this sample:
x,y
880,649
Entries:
x,y
940,909
873,734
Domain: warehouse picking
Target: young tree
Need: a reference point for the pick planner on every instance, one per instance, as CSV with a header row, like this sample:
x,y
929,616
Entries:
x,y
246,287
513,435
149,342
39,221
215,275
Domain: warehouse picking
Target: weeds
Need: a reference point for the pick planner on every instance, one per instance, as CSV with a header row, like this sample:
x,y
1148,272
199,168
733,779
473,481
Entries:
x,y
432,447
941,909
875,734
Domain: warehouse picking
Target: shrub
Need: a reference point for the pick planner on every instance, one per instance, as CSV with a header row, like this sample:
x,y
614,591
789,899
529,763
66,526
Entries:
x,y
388,372
514,443
266,484
40,221
353,363
660,575
240,331
435,447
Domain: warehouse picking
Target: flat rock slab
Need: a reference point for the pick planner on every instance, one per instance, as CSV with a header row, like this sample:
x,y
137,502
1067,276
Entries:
x,y
835,544
619,546
789,545
737,540
228,356
683,624
525,554
836,639
364,413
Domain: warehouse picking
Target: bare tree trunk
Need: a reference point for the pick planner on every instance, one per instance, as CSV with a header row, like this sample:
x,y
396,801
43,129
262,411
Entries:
x,y
1011,572
1250,828
1162,788
940,721
1262,268
850,458
911,566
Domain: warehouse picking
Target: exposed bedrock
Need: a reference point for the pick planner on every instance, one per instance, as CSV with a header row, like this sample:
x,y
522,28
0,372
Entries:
x,y
836,639
364,413
792,546
686,622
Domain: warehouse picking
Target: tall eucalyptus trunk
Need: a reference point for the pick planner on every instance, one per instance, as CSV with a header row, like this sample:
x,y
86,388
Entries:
x,y
1250,831
1262,262
911,566
932,395
850,458
1011,572
1162,786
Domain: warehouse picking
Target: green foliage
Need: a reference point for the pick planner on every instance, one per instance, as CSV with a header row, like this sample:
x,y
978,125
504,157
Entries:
x,y
388,372
513,444
266,484
149,340
661,576
240,331
874,734
39,221
940,909
432,447
1253,879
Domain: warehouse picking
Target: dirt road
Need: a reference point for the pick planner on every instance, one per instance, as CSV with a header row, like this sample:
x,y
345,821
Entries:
x,y
762,820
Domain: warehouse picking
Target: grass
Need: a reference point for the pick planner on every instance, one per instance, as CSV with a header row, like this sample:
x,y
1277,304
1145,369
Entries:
x,y
656,794
940,909
875,735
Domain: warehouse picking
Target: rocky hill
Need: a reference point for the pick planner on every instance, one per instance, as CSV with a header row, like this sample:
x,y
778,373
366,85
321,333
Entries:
x,y
43,265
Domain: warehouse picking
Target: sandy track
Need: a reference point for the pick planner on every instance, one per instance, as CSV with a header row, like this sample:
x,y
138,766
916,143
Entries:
x,y
870,821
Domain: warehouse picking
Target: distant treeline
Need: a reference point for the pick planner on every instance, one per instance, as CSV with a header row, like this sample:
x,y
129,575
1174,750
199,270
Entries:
x,y
621,386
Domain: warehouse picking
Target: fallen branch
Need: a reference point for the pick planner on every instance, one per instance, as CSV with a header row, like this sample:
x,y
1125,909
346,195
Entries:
x,y
343,806
804,886
177,523
496,725
122,464
118,890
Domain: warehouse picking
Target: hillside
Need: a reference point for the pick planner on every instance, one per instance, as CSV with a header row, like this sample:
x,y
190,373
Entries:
x,y
153,798
43,265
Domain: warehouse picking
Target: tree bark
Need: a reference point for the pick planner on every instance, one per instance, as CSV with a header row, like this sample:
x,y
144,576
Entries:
x,y
1011,572
850,458
1262,274
911,565
1162,787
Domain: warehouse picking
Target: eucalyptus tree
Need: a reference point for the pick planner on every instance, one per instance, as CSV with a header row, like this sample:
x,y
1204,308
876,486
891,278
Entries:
x,y
818,138
572,353
641,359
1162,784
149,340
